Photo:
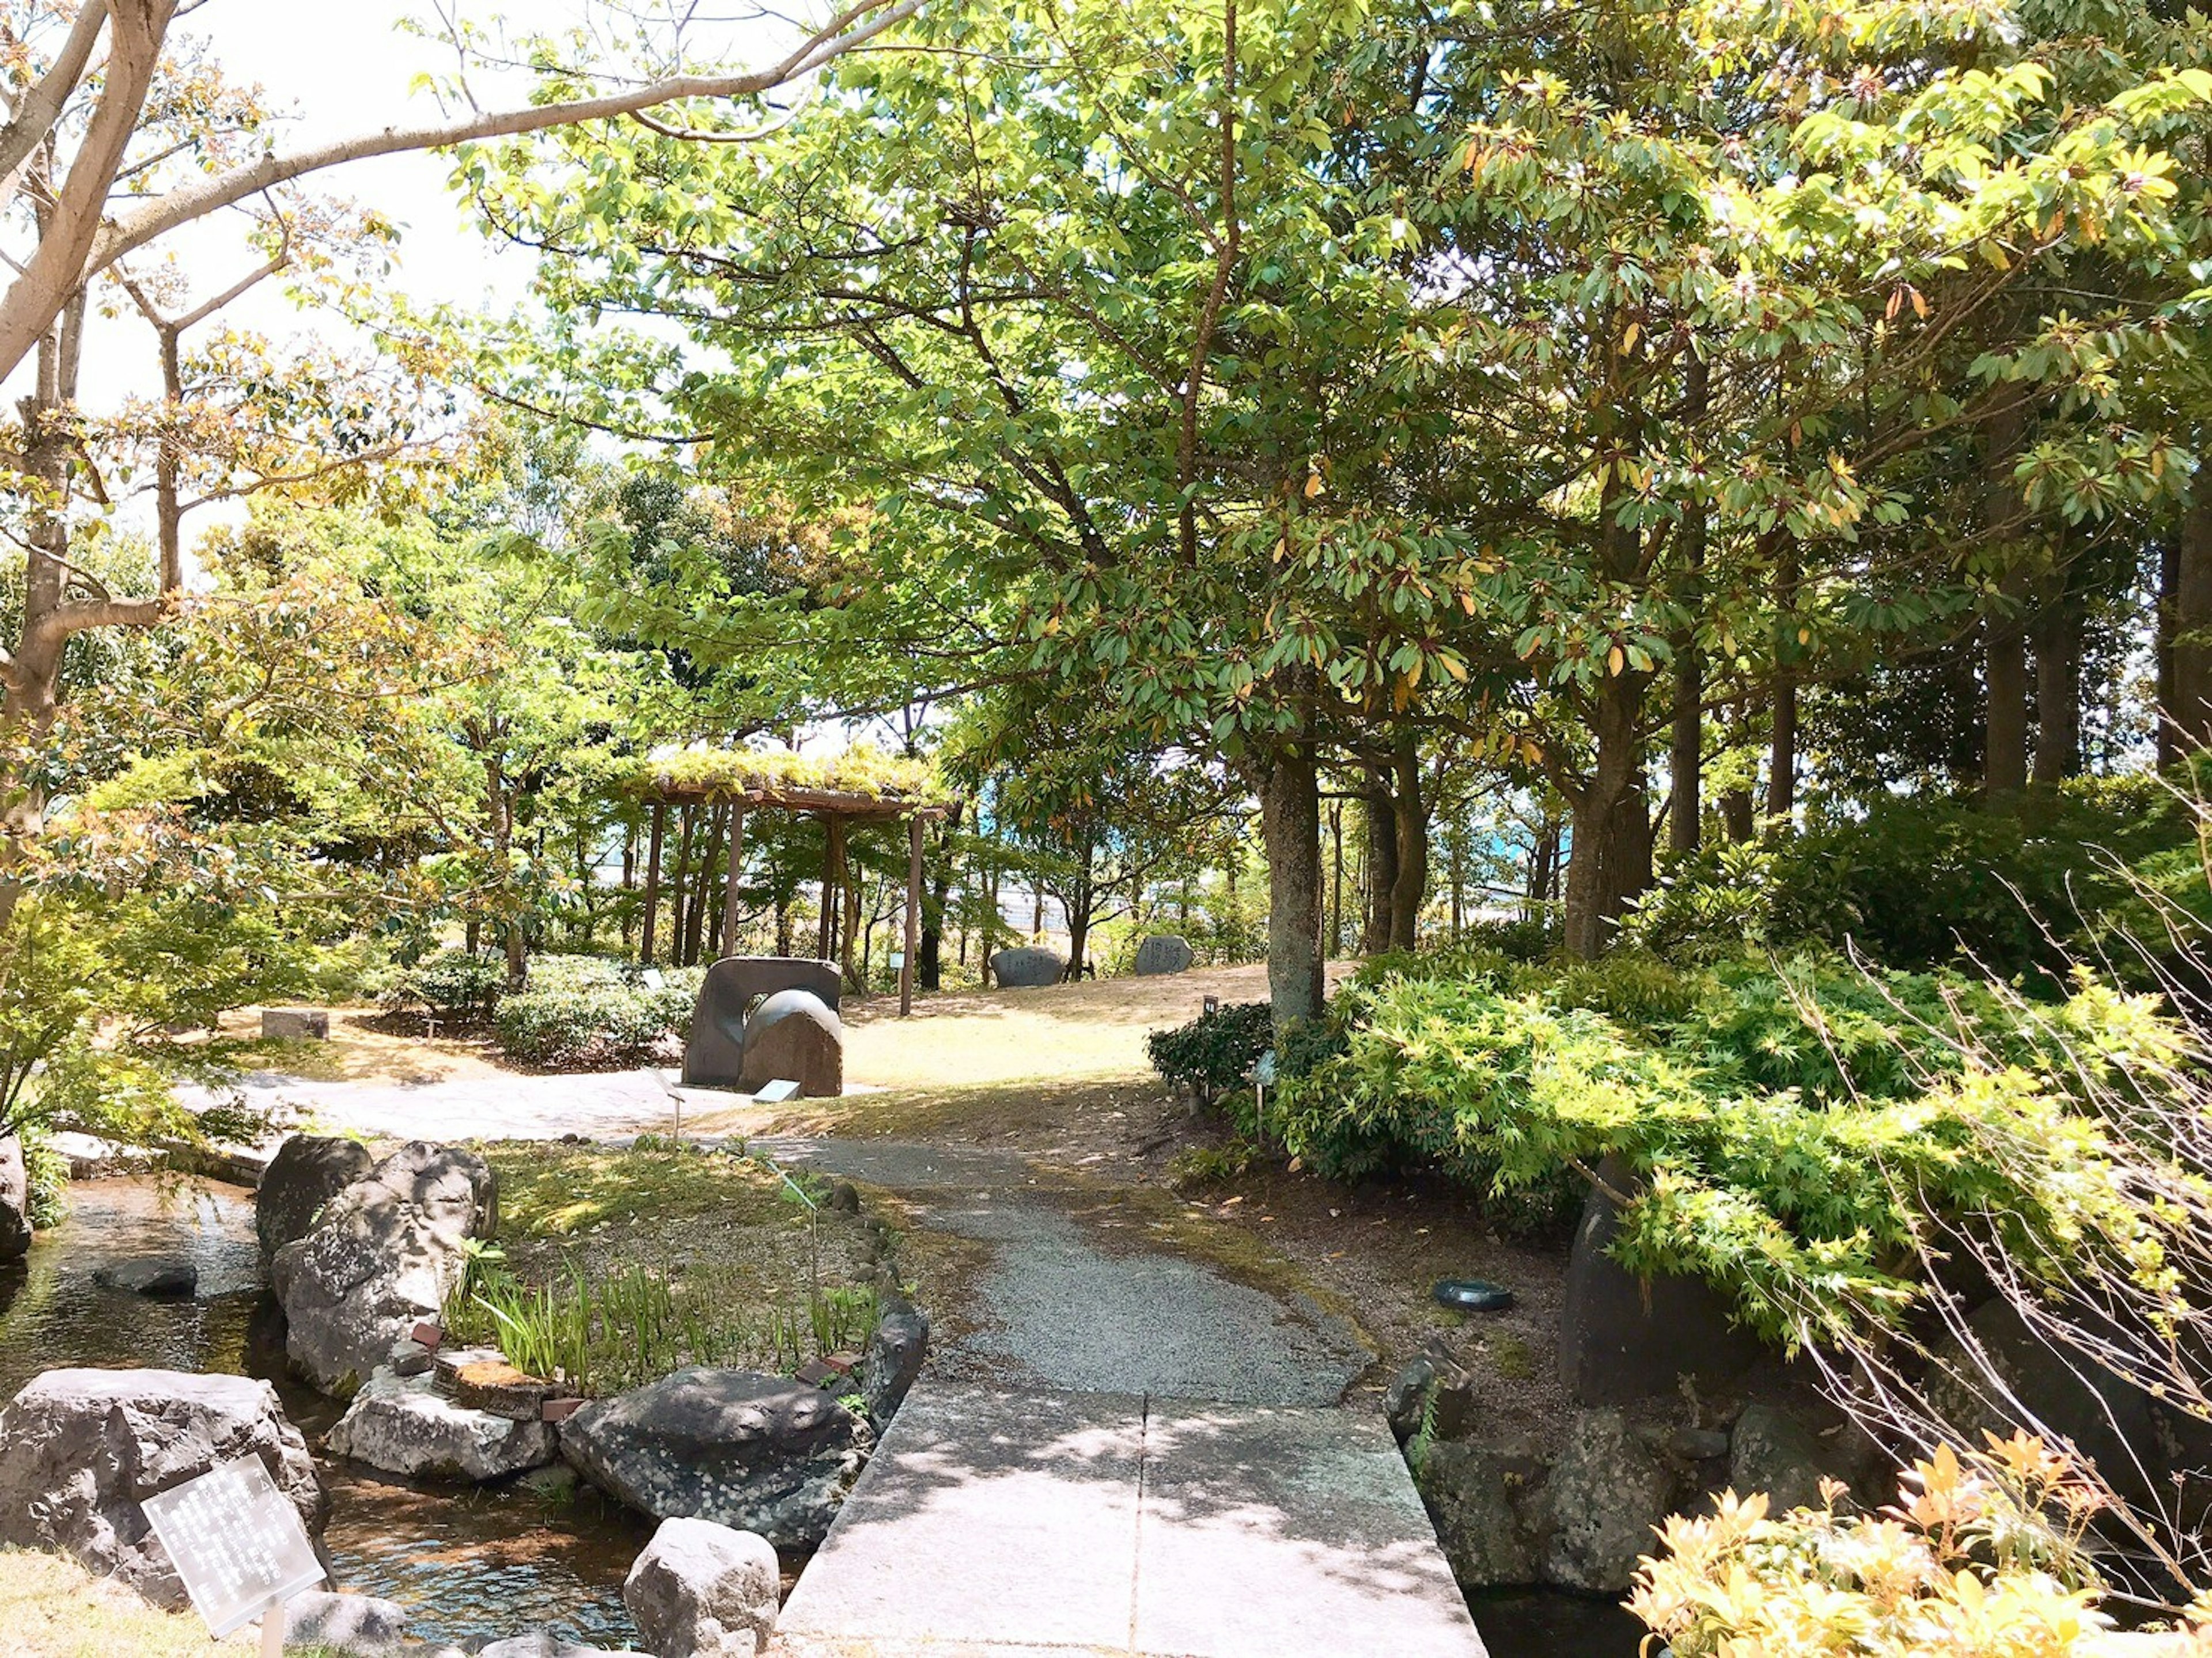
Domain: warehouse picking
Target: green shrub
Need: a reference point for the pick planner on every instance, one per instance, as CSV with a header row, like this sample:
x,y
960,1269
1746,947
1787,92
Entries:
x,y
1919,882
48,1175
459,986
1800,1207
1215,1052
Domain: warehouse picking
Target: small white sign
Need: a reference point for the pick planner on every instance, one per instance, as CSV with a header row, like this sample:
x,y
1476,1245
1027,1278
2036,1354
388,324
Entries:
x,y
237,1542
1263,1069
652,979
777,1092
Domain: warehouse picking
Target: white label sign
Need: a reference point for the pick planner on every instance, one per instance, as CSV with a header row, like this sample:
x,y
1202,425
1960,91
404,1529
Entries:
x,y
236,1541
777,1092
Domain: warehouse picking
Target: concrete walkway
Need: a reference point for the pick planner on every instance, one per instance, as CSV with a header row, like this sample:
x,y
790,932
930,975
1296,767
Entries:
x,y
1013,1525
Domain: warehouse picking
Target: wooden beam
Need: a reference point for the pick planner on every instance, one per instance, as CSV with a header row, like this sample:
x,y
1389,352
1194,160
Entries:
x,y
651,885
913,914
729,881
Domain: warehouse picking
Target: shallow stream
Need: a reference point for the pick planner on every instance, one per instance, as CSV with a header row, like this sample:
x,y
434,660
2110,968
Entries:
x,y
470,1564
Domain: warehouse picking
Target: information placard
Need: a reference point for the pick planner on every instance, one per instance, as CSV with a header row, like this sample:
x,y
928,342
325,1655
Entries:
x,y
236,1541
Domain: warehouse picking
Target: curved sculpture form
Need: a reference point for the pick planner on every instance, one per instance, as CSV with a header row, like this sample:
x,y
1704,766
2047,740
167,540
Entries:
x,y
715,1053
795,1036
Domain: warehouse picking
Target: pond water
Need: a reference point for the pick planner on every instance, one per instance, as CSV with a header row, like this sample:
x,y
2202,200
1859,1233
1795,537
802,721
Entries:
x,y
470,1563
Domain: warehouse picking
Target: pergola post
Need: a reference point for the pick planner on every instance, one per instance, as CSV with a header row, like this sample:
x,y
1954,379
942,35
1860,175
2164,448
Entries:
x,y
913,914
832,869
730,880
651,885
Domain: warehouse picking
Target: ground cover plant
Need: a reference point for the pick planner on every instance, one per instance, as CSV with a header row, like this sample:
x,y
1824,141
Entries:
x,y
616,1268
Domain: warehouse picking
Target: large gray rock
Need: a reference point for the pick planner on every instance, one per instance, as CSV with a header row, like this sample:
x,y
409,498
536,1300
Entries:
x,y
307,1171
82,1450
1162,955
382,1257
358,1624
543,1643
1623,1338
715,1053
1028,967
294,1024
795,1036
892,1358
1487,1504
2060,1396
1772,1451
403,1424
701,1590
1607,1494
760,1452
14,1200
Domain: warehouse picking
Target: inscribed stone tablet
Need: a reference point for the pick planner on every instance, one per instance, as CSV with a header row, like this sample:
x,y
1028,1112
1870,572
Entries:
x,y
236,1541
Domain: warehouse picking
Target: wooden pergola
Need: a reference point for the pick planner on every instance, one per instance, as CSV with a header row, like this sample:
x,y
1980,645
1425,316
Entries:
x,y
862,787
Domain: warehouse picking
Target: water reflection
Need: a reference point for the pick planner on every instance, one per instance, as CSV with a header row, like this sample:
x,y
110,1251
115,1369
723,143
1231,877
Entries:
x,y
1552,1624
469,1563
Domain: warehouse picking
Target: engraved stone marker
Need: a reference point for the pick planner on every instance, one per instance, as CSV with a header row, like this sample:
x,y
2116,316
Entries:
x,y
238,1543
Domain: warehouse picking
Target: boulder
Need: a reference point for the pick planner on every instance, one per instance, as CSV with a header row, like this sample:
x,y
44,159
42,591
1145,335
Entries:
x,y
1027,967
162,1278
350,1623
381,1258
307,1171
1432,1389
892,1358
1772,1451
2059,1396
403,1424
714,1054
81,1450
701,1590
294,1024
1487,1503
795,1036
1607,1494
14,1200
1623,1338
409,1356
760,1452
1162,955
543,1643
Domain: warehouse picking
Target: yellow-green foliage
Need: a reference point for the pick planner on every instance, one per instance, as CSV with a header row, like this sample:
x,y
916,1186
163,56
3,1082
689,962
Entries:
x,y
719,775
1982,1557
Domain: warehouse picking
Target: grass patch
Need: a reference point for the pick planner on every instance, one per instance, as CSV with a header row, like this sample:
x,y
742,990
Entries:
x,y
1510,1357
52,1607
548,1190
614,1266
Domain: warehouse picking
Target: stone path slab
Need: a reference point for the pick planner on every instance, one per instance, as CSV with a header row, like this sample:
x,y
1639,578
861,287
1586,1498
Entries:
x,y
1005,1525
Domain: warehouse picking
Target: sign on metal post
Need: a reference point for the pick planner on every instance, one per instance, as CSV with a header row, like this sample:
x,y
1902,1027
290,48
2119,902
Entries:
x,y
237,1542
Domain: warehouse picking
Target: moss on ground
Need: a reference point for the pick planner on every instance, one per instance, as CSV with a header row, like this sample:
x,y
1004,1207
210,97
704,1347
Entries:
x,y
547,1189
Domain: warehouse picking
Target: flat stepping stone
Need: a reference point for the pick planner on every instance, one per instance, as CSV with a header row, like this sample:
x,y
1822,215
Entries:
x,y
1002,1525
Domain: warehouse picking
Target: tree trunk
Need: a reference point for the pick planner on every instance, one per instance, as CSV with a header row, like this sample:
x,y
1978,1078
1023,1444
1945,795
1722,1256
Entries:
x,y
1686,752
1410,886
1381,813
2057,692
2005,639
651,885
1289,827
2190,710
1543,863
929,959
1781,752
1334,942
1609,859
2167,738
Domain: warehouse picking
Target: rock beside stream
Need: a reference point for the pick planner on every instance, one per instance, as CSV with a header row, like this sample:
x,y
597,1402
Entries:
x,y
81,1450
307,1171
381,1259
158,1277
14,1200
701,1590
892,1359
359,1625
758,1452
403,1424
